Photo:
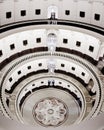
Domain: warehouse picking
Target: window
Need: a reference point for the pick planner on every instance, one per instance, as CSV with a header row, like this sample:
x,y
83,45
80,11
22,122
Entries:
x,y
10,79
1,53
65,40
23,12
37,11
40,64
25,42
29,67
91,48
83,74
97,17
82,14
78,44
73,68
12,46
8,15
67,12
62,65
38,40
19,72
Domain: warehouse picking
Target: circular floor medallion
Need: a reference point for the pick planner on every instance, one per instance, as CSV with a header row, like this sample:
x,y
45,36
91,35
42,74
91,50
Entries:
x,y
50,111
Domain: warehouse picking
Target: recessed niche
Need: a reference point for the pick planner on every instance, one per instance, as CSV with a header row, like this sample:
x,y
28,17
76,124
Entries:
x,y
78,43
25,42
33,84
12,46
19,72
10,79
97,17
62,65
68,85
60,82
29,67
82,14
73,68
8,15
23,12
40,64
91,48
83,74
37,11
38,40
1,53
67,12
65,40
42,82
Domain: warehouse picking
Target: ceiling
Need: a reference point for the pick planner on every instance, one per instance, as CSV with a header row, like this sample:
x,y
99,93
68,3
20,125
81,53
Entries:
x,y
84,34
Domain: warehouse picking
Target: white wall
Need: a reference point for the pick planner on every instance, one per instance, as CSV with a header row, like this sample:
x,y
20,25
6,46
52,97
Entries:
x,y
21,5
34,67
17,40
6,6
97,8
101,52
72,6
31,35
75,6
86,7
86,41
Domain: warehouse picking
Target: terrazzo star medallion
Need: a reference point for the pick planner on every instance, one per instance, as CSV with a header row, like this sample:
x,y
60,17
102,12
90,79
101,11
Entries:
x,y
50,112
51,61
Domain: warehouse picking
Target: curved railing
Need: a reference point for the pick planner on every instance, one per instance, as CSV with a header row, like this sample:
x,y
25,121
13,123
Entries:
x,y
50,22
60,55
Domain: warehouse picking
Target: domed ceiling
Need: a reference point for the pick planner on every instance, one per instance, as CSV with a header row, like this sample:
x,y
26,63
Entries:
x,y
51,61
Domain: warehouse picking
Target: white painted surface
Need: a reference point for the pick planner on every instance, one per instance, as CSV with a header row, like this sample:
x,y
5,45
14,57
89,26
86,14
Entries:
x,y
74,6
31,35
